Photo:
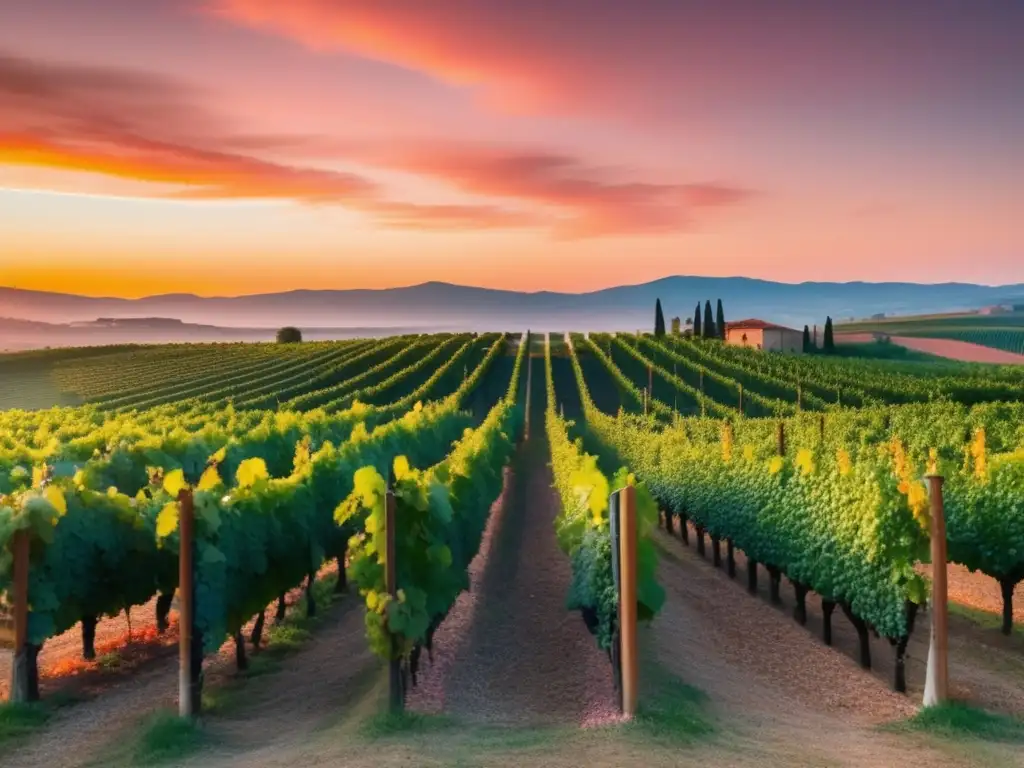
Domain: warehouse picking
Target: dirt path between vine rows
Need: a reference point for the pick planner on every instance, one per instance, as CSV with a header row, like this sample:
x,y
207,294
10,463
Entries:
x,y
76,733
986,668
510,652
788,695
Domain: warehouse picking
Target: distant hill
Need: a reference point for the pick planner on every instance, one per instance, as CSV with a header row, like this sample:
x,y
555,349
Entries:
x,y
442,306
18,335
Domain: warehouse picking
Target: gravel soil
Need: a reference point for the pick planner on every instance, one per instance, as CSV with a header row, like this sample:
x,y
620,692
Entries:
x,y
786,697
117,697
986,668
510,652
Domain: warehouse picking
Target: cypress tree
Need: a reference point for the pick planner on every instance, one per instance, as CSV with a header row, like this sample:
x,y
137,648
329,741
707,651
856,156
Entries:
x,y
830,342
696,322
659,319
720,321
807,340
709,322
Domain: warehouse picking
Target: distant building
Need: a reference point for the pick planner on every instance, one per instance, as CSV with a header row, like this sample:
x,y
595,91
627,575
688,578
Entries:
x,y
676,326
763,335
996,309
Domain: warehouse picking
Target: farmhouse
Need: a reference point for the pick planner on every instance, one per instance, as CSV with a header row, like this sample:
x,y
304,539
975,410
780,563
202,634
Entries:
x,y
762,335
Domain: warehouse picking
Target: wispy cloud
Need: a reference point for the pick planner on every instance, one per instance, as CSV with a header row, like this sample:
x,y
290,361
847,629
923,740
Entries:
x,y
146,128
666,56
589,201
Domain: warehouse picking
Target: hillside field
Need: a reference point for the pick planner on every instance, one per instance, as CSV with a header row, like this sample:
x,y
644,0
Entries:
x,y
1003,331
783,545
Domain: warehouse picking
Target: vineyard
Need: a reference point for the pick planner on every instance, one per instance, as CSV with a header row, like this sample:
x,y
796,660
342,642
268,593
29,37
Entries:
x,y
1003,331
386,466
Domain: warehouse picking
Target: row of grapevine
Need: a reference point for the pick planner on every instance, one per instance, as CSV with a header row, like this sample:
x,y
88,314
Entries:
x,y
872,381
117,373
216,382
120,454
96,550
802,507
440,516
583,528
730,392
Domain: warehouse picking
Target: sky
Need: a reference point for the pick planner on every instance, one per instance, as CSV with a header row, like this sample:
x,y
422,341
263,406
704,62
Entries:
x,y
225,147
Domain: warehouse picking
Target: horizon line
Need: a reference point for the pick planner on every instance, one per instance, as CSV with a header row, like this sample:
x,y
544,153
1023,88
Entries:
x,y
147,297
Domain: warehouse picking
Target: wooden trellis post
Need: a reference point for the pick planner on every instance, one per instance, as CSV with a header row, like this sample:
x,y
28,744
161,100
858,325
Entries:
x,y
396,694
23,687
529,386
936,688
189,677
622,517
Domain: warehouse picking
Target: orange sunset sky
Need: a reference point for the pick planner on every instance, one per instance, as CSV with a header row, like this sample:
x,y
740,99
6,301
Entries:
x,y
244,146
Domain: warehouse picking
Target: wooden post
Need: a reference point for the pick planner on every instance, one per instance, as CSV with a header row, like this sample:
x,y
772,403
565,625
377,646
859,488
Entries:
x,y
21,674
799,398
780,439
614,519
186,604
741,399
529,383
396,697
627,602
650,379
936,688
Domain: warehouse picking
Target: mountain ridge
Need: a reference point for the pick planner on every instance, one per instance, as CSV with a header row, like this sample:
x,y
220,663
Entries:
x,y
435,303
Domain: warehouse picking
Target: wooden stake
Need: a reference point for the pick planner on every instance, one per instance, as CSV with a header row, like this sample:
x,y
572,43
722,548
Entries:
x,y
614,520
936,688
21,688
529,382
627,603
186,606
396,699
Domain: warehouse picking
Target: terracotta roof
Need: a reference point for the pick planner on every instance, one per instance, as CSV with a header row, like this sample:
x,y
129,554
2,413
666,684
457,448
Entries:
x,y
755,324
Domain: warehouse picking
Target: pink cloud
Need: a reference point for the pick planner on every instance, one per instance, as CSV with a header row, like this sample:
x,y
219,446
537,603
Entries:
x,y
676,56
135,126
590,201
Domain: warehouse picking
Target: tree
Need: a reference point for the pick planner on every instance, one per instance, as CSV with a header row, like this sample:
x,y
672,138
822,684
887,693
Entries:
x,y
808,347
289,335
676,326
696,321
709,322
830,342
720,321
659,319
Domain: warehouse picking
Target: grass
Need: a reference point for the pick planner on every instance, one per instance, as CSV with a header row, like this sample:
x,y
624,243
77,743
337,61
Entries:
x,y
110,660
385,724
165,737
670,711
984,619
959,721
19,720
